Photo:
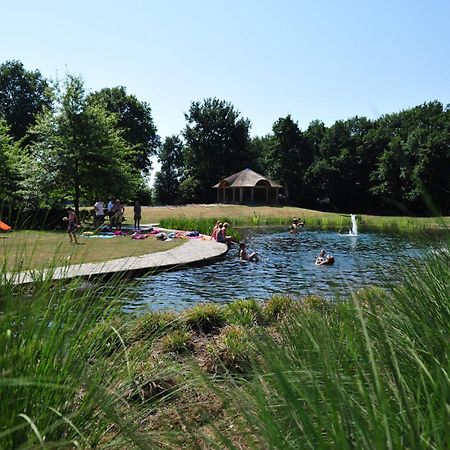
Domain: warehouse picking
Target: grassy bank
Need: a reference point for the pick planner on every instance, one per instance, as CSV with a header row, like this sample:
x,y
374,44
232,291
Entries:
x,y
22,250
370,373
203,217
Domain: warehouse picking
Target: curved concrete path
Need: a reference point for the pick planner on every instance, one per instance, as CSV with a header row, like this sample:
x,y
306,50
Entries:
x,y
193,251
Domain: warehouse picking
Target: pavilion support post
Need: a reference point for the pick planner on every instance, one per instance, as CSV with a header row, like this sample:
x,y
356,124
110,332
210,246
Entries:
x,y
253,194
218,195
234,191
276,196
267,195
241,195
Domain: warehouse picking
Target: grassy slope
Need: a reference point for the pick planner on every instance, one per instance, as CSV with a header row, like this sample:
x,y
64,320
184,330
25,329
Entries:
x,y
280,215
39,249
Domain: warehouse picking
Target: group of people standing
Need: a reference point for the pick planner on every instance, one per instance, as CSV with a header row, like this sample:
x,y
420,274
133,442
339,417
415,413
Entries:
x,y
115,211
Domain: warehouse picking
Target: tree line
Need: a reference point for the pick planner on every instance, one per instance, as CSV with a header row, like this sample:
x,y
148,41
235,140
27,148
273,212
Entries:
x,y
60,143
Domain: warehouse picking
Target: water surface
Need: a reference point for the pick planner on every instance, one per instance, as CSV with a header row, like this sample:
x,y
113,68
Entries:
x,y
286,266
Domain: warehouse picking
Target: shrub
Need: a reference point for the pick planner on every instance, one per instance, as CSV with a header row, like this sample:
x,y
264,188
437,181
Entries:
x,y
244,312
206,318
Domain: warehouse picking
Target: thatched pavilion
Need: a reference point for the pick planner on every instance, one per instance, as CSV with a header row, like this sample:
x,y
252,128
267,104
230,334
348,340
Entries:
x,y
247,186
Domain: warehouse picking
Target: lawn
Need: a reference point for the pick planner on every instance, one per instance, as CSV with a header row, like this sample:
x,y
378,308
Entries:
x,y
23,250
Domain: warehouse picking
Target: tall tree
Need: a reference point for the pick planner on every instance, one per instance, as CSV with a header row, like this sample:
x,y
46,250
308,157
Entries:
x,y
23,94
80,150
167,180
134,117
288,157
9,163
217,145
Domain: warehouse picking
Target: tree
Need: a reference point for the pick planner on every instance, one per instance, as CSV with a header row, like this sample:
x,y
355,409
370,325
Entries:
x,y
23,94
9,163
135,119
412,171
217,145
288,157
167,180
78,152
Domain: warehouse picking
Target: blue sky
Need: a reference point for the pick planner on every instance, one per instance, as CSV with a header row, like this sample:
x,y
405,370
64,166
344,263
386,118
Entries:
x,y
312,59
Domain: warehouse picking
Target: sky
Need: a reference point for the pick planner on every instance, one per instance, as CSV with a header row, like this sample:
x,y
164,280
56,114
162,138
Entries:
x,y
315,59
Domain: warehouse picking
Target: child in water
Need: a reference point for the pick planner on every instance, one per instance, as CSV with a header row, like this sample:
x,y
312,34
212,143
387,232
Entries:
x,y
244,256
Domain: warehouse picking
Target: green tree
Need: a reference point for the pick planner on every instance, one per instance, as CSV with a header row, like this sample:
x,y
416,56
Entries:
x,y
134,117
411,173
78,152
217,145
10,164
288,157
167,180
23,94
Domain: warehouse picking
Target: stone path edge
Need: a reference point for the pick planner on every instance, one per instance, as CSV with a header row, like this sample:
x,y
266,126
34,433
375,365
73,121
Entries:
x,y
189,253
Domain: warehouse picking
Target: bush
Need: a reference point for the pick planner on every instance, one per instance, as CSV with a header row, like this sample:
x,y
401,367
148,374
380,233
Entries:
x,y
206,318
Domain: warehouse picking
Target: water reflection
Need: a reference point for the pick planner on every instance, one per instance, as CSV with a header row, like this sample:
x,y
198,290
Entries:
x,y
286,266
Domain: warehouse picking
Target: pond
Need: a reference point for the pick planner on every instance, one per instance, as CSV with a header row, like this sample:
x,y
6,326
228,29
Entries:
x,y
286,266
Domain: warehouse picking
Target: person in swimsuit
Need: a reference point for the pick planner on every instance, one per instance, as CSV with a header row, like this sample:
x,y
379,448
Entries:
x,y
137,215
244,256
72,225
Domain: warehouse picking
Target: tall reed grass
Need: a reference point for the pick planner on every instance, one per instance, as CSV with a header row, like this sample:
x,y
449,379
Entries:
x,y
373,373
57,386
333,222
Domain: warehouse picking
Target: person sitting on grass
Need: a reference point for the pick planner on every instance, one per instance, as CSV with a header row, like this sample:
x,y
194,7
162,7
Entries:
x,y
244,256
72,225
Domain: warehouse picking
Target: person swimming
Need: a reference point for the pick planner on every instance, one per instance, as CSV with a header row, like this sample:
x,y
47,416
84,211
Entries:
x,y
324,259
244,256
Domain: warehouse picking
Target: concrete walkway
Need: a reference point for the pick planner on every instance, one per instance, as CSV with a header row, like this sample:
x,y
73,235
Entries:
x,y
193,251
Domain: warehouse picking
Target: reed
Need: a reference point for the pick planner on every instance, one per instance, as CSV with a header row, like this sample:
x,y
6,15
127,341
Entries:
x,y
373,373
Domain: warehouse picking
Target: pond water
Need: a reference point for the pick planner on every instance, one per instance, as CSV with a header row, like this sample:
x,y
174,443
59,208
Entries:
x,y
286,266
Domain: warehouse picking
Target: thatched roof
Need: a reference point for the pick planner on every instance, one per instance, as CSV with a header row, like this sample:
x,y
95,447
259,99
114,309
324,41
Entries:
x,y
246,178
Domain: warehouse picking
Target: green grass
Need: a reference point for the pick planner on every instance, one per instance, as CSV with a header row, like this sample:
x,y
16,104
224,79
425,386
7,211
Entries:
x,y
372,372
22,250
203,217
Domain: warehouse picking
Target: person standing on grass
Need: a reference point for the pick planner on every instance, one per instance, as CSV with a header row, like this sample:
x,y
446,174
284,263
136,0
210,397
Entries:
x,y
117,217
72,225
137,210
99,213
110,211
